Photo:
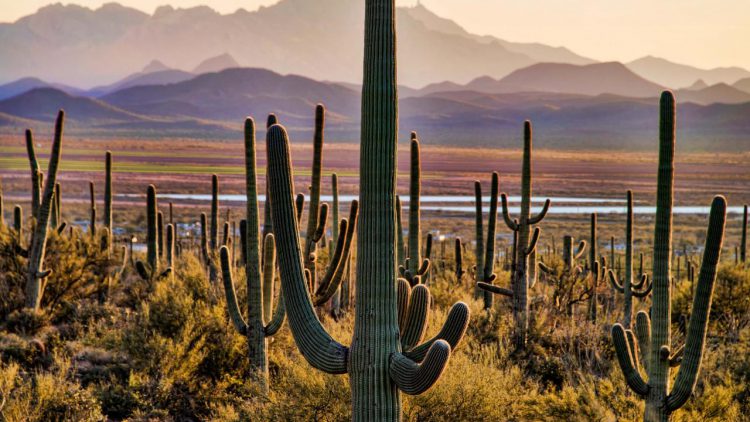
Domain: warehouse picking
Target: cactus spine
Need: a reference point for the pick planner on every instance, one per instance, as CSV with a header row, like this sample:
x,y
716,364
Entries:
x,y
36,274
377,365
524,247
628,287
261,321
661,402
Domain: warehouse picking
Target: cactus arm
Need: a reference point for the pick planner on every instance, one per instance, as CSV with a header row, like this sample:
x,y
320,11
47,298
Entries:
x,y
633,343
321,226
335,273
687,375
299,206
422,270
643,293
615,283
330,282
626,361
534,241
400,232
513,225
452,332
643,334
277,321
543,213
416,318
545,268
315,344
641,283
142,270
580,250
495,289
232,305
35,177
413,378
403,296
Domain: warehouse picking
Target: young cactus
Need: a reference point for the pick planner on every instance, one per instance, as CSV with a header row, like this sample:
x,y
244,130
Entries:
x,y
414,266
661,400
36,274
380,361
628,287
458,254
526,242
149,271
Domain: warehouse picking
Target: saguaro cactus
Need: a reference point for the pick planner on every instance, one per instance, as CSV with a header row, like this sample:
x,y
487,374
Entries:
x,y
628,287
661,401
458,255
108,193
318,213
488,275
92,210
381,361
593,241
743,244
414,266
524,247
149,271
214,213
36,273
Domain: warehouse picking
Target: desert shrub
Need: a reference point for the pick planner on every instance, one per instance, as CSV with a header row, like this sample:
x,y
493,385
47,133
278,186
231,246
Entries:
x,y
46,396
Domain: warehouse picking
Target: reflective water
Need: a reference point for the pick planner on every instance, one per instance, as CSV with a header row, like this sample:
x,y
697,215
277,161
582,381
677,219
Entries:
x,y
465,204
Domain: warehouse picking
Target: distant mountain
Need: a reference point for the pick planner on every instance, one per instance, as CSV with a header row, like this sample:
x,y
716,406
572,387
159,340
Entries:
x,y
215,104
216,64
155,73
43,103
743,84
592,79
232,94
698,85
320,39
720,93
536,51
25,84
674,75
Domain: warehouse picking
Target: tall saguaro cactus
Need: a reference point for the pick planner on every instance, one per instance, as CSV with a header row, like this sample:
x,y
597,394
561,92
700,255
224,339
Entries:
x,y
149,271
36,274
569,257
525,245
661,400
628,287
108,194
383,359
414,267
743,244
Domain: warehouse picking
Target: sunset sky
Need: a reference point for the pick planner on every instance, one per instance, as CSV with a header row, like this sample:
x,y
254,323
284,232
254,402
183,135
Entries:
x,y
696,32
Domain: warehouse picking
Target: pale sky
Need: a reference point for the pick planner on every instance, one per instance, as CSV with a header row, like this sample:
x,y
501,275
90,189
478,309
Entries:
x,y
703,33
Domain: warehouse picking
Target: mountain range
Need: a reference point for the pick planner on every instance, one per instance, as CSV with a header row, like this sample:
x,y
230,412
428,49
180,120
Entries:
x,y
319,39
213,105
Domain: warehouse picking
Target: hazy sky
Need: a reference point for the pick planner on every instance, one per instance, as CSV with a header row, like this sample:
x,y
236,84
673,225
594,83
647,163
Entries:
x,y
698,32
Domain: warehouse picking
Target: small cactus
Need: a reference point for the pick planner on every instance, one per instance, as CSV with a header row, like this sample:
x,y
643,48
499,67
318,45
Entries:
x,y
458,254
628,287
